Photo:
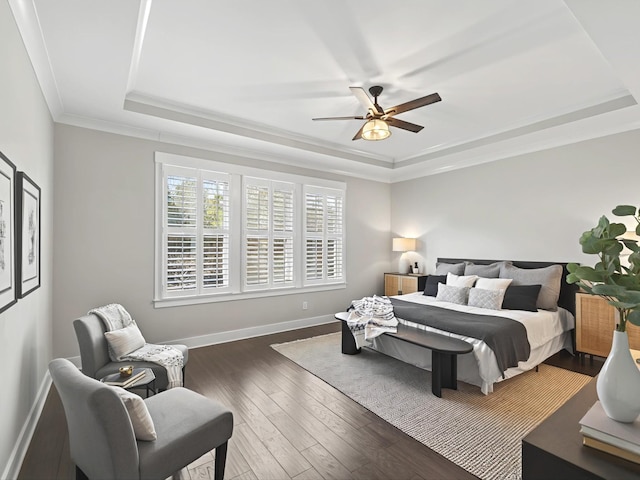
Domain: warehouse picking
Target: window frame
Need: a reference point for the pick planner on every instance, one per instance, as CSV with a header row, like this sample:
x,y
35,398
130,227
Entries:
x,y
236,290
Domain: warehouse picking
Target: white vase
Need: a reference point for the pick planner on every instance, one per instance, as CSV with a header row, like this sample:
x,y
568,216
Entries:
x,y
618,384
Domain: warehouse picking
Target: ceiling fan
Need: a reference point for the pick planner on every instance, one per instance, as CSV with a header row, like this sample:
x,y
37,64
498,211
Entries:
x,y
378,120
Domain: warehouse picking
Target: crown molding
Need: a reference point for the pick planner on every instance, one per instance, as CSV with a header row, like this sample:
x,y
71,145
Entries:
x,y
26,17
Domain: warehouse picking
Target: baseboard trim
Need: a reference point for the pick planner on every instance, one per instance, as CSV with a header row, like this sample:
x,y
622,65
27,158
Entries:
x,y
12,469
241,334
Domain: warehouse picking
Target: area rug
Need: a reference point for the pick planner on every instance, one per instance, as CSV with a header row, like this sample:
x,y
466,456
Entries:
x,y
480,433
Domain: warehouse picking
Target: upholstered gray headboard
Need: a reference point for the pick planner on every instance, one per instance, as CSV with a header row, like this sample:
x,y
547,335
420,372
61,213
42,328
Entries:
x,y
568,291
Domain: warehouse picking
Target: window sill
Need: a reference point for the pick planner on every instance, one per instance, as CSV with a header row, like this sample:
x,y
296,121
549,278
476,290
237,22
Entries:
x,y
230,297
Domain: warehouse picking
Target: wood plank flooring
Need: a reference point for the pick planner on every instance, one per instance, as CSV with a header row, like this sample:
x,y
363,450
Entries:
x,y
288,424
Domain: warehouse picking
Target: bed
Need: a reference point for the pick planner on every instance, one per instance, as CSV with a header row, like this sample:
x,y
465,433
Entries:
x,y
548,330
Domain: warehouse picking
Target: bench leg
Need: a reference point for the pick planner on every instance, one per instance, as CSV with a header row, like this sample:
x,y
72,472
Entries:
x,y
444,372
348,342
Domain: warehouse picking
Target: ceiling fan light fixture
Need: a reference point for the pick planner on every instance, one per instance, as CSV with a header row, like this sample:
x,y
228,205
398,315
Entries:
x,y
375,129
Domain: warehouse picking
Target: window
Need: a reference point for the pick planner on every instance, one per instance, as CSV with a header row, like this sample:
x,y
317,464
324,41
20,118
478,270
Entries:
x,y
196,232
268,233
226,232
323,235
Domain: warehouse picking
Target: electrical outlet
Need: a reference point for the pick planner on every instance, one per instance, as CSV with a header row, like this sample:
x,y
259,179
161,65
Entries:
x,y
305,305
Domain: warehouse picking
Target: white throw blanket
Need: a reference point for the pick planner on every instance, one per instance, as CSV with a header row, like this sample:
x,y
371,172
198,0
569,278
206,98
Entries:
x,y
371,317
115,317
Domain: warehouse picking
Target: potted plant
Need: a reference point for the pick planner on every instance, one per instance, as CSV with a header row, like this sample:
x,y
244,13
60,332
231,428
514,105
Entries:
x,y
618,282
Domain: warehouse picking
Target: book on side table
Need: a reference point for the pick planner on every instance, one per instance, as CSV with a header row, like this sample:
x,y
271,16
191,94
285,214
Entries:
x,y
602,433
119,381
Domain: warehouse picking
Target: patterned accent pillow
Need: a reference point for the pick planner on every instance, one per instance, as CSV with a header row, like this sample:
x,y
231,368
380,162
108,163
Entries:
x,y
447,293
489,299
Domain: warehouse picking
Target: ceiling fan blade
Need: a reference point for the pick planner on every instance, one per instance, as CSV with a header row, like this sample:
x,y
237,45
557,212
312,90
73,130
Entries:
x,y
359,134
412,127
339,118
417,103
364,99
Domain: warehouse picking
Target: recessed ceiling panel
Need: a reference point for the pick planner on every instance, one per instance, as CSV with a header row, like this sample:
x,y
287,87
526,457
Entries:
x,y
255,73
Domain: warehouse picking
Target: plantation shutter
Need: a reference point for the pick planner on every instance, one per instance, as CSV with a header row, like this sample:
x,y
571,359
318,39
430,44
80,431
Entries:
x,y
215,232
268,233
283,234
196,231
323,235
334,215
241,232
181,229
256,232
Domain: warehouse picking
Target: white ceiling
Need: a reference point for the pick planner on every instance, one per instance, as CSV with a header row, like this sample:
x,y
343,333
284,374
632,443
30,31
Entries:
x,y
247,76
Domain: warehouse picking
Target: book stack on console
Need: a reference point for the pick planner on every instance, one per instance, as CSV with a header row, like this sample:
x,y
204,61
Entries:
x,y
124,382
616,438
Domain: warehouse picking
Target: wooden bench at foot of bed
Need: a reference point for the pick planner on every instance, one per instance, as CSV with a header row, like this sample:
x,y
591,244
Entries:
x,y
444,351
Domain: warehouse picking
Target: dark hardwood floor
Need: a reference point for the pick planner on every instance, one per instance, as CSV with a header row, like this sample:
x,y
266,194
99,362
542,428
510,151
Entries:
x,y
288,423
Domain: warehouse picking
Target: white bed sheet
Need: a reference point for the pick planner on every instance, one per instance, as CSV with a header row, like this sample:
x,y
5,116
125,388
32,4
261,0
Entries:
x,y
547,332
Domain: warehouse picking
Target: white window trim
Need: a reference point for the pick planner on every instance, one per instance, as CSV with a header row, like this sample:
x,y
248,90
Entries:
x,y
236,172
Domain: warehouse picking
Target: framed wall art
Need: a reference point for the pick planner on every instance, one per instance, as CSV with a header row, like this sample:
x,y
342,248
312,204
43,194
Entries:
x,y
28,235
8,292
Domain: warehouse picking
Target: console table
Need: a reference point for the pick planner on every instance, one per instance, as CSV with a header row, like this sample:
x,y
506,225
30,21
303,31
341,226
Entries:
x,y
554,449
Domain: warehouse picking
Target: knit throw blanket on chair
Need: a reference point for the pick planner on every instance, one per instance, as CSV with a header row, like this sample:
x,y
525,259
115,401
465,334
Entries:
x,y
115,317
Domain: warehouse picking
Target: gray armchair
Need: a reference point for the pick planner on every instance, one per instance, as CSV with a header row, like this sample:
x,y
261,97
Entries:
x,y
94,352
101,436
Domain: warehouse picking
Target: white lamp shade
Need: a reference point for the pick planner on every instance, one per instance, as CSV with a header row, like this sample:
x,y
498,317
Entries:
x,y
404,244
375,130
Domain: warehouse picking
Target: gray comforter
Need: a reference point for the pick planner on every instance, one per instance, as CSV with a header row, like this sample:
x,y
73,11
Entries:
x,y
506,337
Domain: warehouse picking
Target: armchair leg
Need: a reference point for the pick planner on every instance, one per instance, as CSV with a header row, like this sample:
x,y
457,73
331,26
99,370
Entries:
x,y
221,460
80,475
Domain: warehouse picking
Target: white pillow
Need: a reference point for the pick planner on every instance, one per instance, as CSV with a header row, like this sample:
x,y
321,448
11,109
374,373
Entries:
x,y
124,341
493,283
447,293
139,414
489,299
454,280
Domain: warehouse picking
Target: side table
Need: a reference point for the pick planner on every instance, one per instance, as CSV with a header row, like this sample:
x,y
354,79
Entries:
x,y
148,381
554,449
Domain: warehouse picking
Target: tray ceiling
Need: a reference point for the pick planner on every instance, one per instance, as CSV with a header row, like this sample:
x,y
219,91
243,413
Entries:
x,y
246,77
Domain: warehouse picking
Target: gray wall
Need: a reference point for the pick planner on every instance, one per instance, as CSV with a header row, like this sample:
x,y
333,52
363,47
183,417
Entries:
x,y
532,207
104,243
26,137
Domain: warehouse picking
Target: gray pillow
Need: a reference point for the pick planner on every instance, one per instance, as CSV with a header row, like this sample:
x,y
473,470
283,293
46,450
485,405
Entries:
x,y
447,293
455,268
549,277
489,299
485,271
